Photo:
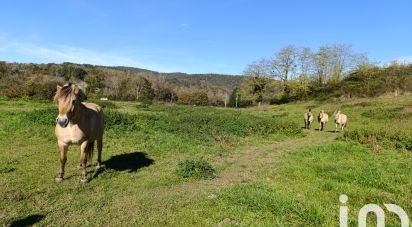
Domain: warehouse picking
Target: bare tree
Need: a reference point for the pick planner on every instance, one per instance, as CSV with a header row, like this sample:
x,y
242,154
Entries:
x,y
257,69
332,63
283,65
305,64
321,62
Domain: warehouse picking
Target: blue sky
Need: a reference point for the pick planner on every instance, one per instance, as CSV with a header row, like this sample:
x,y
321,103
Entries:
x,y
216,36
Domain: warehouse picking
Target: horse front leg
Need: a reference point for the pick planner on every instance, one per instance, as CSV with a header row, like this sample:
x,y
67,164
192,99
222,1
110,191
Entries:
x,y
83,161
63,158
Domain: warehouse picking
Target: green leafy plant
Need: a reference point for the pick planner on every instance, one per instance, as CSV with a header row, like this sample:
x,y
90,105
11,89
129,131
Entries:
x,y
198,169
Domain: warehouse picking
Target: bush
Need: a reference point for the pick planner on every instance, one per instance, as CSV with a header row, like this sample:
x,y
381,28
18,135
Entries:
x,y
45,117
388,137
114,120
197,98
199,169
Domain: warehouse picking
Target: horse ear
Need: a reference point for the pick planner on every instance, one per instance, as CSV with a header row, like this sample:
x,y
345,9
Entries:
x,y
58,87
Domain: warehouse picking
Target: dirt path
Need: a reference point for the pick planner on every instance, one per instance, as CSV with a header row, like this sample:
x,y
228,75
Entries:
x,y
243,165
246,164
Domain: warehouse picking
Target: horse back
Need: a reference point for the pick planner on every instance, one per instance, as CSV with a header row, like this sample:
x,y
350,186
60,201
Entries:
x,y
343,118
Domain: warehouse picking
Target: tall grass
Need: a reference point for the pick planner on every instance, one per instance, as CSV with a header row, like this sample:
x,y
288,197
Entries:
x,y
200,123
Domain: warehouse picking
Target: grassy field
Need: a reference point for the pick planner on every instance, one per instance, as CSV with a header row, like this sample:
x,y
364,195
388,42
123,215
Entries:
x,y
269,171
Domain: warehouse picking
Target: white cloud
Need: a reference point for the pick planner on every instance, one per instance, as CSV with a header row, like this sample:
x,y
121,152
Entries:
x,y
26,52
60,54
404,60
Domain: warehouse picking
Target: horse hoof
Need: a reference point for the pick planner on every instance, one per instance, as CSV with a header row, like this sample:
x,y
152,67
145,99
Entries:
x,y
99,168
58,179
84,180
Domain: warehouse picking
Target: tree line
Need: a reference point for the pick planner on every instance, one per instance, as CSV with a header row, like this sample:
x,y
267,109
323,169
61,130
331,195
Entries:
x,y
299,73
116,83
291,74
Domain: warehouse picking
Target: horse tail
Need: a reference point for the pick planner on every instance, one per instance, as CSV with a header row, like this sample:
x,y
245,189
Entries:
x,y
90,150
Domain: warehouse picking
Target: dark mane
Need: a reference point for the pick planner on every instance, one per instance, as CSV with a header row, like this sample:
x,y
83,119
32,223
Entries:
x,y
64,92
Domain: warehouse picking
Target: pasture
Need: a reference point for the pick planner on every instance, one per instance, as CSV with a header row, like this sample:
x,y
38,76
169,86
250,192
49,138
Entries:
x,y
269,169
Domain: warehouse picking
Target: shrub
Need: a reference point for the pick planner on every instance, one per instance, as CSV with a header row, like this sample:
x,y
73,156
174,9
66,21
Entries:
x,y
199,169
197,98
118,121
388,137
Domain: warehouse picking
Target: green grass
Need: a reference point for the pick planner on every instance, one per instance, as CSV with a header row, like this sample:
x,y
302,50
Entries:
x,y
268,170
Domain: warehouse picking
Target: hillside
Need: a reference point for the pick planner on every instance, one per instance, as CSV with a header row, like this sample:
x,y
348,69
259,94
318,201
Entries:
x,y
204,81
120,83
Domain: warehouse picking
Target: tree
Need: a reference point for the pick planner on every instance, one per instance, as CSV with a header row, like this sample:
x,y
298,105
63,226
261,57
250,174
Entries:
x,y
78,73
95,83
284,65
255,81
321,64
200,98
3,69
165,94
123,90
144,90
305,64
257,69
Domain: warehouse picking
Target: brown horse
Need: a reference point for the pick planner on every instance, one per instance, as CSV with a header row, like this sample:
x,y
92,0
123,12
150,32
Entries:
x,y
78,123
323,118
308,118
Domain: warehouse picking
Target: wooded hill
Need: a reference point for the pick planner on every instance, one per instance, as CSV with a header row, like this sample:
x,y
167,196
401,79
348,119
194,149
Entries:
x,y
293,74
118,83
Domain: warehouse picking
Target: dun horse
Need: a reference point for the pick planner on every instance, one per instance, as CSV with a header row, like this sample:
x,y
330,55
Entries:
x,y
323,118
78,123
308,118
341,121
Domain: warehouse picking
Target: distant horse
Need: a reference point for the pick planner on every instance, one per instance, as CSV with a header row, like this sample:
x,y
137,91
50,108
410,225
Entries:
x,y
78,123
308,118
341,120
323,118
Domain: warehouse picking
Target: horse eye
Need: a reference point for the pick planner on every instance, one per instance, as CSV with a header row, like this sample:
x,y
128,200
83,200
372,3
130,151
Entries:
x,y
74,101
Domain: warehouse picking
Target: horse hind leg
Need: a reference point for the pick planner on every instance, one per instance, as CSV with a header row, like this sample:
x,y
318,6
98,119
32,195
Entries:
x,y
99,154
84,148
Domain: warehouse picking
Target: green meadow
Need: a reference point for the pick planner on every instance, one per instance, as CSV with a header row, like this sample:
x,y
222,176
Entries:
x,y
267,169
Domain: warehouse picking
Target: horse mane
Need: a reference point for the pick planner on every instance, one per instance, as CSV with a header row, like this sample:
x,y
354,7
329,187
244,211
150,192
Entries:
x,y
67,90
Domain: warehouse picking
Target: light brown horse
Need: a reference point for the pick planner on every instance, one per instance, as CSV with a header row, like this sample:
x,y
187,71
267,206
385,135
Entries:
x,y
323,118
78,123
308,118
341,120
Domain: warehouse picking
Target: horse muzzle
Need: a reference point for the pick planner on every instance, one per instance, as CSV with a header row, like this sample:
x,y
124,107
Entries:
x,y
62,121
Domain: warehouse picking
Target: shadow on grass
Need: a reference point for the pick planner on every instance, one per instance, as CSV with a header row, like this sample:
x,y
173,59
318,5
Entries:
x,y
130,162
28,221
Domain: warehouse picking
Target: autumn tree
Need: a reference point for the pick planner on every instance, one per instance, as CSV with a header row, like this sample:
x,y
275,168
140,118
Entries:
x,y
144,90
